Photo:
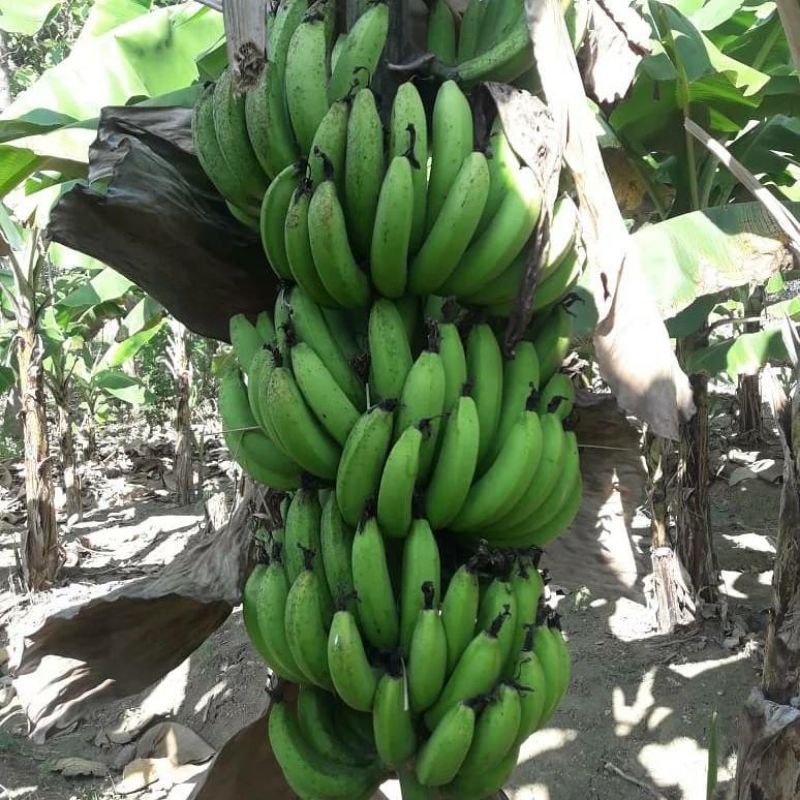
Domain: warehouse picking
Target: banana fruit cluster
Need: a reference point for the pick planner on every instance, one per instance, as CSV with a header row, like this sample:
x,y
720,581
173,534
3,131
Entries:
x,y
350,209
443,678
422,466
445,428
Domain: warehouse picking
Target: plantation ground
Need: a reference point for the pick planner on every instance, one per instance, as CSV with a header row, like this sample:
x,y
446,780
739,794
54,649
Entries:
x,y
639,704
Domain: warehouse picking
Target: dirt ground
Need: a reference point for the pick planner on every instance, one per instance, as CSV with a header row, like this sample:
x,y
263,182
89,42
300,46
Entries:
x,y
635,723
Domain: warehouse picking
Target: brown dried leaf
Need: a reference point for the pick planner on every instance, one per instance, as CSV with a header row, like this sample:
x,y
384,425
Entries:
x,y
615,43
74,767
175,742
118,644
632,346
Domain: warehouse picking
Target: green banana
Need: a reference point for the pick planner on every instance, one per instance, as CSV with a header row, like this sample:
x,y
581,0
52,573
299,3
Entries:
x,y
459,611
559,394
509,58
316,712
288,16
567,487
337,48
329,403
531,681
256,453
306,76
451,143
503,169
361,52
305,626
502,241
393,726
471,24
377,610
502,290
547,531
427,654
245,339
450,233
520,378
345,334
454,361
499,15
250,593
298,247
396,490
364,168
389,351
352,675
408,114
359,472
485,784
421,565
327,155
455,465
337,267
475,673
272,222
496,730
245,217
301,533
301,435
308,772
552,341
310,326
209,154
409,308
422,398
394,218
441,35
560,236
554,626
559,282
441,757
505,481
485,371
270,615
268,125
336,546
528,588
499,598
550,656
231,128
284,328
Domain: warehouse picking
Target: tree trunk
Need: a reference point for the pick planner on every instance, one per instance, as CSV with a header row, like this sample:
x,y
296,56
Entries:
x,y
40,551
69,466
694,541
183,418
670,598
768,766
748,392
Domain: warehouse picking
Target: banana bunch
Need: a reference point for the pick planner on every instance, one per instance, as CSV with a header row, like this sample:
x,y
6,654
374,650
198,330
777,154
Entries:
x,y
349,208
452,678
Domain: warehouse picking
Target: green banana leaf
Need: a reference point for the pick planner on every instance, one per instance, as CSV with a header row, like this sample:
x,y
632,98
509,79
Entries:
x,y
106,286
707,251
143,315
124,387
108,14
52,125
123,351
746,354
25,16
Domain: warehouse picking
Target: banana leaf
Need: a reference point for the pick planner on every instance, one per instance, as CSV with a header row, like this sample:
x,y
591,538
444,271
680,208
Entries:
x,y
745,354
707,251
149,212
25,16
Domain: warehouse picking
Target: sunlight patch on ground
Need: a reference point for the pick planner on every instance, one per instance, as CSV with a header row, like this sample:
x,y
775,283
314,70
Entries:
x,y
678,763
546,740
696,668
22,791
627,716
657,716
765,578
533,791
631,622
389,790
750,541
729,578
214,692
